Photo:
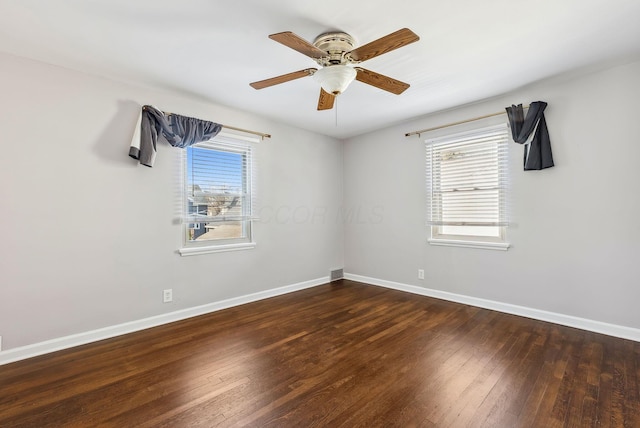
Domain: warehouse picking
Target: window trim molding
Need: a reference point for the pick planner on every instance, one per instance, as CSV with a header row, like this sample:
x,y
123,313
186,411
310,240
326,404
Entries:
x,y
234,142
500,242
209,249
483,245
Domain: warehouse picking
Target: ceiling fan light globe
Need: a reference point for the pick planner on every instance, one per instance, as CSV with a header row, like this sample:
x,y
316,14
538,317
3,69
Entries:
x,y
335,79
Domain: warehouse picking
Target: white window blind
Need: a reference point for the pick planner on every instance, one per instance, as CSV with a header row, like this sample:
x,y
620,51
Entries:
x,y
467,182
218,195
218,182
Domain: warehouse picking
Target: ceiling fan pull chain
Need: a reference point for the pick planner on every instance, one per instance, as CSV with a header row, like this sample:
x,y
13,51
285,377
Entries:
x,y
336,112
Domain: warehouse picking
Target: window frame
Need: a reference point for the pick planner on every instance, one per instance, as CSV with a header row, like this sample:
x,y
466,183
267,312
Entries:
x,y
435,222
230,142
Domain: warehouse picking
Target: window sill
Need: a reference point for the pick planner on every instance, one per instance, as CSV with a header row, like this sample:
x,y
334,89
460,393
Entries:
x,y
194,251
500,246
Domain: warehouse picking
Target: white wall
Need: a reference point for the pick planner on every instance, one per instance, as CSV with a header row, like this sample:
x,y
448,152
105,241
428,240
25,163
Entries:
x,y
575,227
89,238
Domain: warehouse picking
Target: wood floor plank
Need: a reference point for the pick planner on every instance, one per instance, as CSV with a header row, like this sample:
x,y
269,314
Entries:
x,y
342,354
541,397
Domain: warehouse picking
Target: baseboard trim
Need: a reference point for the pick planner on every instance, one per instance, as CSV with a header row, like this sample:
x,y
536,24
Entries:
x,y
553,317
41,348
33,350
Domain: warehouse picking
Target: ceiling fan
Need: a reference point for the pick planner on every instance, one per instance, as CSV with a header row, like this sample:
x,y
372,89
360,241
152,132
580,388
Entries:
x,y
335,53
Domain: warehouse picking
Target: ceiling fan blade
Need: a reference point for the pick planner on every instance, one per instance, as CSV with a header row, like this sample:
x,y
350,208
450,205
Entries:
x,y
299,44
325,102
284,78
383,45
381,81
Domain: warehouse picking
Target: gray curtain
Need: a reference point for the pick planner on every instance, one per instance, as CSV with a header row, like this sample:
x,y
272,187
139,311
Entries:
x,y
538,156
179,131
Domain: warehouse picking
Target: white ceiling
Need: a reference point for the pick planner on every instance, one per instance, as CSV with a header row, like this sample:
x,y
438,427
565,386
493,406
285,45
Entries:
x,y
469,50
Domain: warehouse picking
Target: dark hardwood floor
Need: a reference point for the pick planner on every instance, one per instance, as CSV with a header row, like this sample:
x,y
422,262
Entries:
x,y
343,354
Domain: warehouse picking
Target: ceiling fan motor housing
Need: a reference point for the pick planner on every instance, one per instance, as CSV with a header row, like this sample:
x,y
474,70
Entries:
x,y
336,45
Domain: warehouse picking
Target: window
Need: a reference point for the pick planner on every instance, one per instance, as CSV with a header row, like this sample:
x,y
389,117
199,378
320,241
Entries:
x,y
466,185
218,197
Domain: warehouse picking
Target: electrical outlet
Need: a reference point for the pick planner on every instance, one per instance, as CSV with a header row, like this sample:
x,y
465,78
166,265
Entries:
x,y
167,295
420,273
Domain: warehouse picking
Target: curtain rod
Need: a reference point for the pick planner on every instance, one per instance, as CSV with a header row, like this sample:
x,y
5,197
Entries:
x,y
422,131
259,134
